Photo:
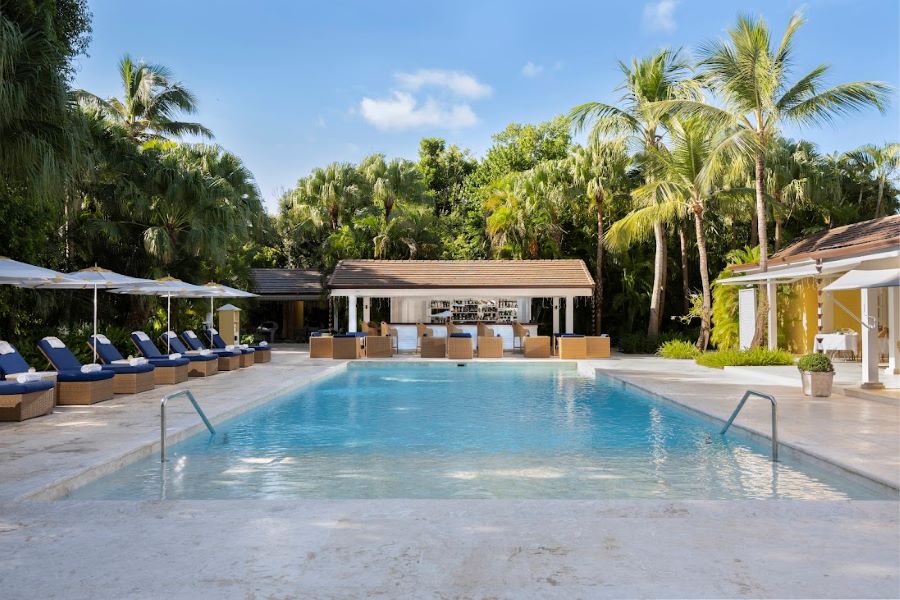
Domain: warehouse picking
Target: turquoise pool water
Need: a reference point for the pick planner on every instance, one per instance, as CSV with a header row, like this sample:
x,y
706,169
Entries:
x,y
435,430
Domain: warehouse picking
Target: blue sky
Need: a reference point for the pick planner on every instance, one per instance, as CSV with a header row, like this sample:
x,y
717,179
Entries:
x,y
289,86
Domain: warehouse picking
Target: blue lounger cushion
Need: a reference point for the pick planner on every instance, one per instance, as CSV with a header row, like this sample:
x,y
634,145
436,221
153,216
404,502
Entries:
x,y
109,354
193,341
11,361
460,335
128,369
9,388
152,353
66,364
217,342
176,346
71,376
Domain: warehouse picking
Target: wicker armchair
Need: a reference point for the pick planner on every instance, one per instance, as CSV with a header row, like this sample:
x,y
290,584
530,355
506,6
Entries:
x,y
387,330
520,332
422,331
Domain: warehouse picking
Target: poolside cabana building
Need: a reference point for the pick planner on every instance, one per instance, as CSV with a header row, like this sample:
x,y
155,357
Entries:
x,y
844,301
464,292
292,299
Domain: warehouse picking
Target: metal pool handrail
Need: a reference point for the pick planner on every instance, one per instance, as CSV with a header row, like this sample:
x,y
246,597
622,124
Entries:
x,y
740,405
162,419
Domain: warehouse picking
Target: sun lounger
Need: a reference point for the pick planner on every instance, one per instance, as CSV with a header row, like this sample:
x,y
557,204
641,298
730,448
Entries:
x,y
434,347
229,360
597,346
536,346
132,375
78,384
572,346
167,369
348,346
320,346
203,362
459,346
379,346
247,353
33,396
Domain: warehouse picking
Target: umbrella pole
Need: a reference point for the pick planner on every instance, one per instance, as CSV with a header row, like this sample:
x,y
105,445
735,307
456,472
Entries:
x,y
95,324
168,320
211,307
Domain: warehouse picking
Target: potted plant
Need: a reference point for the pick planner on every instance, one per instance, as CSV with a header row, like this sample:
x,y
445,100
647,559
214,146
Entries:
x,y
817,374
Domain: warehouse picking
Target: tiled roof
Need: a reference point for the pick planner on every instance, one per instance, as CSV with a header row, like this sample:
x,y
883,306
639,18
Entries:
x,y
849,240
286,283
405,274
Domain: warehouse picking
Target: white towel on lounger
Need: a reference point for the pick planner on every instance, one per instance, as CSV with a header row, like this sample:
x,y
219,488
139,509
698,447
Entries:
x,y
91,368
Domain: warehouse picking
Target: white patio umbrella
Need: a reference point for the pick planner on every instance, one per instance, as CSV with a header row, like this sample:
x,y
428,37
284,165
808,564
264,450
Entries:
x,y
168,287
93,278
217,290
13,272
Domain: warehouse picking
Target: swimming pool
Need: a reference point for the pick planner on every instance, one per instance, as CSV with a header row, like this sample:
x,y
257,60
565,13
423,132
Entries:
x,y
436,430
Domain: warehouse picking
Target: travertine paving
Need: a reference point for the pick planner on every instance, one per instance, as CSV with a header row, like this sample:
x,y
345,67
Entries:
x,y
439,548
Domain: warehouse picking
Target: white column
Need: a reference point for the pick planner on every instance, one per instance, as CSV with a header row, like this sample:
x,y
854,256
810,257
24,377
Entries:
x,y
893,325
367,314
771,294
870,350
570,314
351,314
555,302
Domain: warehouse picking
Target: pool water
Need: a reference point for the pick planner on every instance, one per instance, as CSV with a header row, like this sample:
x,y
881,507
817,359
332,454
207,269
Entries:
x,y
437,430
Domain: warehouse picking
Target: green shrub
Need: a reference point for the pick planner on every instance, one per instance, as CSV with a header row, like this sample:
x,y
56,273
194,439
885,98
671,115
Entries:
x,y
678,349
640,343
754,357
815,363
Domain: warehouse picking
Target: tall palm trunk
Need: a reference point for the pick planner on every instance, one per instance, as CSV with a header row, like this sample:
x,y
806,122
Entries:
x,y
778,220
880,196
705,325
659,280
685,276
754,230
598,291
762,311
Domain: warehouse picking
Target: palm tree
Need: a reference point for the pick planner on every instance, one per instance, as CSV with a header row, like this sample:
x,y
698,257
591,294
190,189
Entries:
x,y
685,177
327,196
883,162
662,76
750,77
150,104
393,182
600,168
790,179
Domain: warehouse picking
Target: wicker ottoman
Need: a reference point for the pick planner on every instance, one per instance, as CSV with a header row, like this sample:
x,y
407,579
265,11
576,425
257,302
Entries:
x,y
347,348
379,346
572,348
434,347
536,346
597,346
490,347
320,347
459,348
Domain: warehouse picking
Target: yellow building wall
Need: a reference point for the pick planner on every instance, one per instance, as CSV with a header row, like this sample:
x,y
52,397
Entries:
x,y
798,321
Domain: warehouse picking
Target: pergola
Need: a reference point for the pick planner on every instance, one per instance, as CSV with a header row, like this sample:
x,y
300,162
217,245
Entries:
x,y
422,290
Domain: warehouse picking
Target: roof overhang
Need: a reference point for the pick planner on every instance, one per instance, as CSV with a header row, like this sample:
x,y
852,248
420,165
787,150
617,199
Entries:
x,y
858,279
288,297
807,268
451,293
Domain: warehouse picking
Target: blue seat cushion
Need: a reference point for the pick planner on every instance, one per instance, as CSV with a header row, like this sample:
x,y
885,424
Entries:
x,y
201,357
570,335
460,335
8,388
128,369
168,362
67,376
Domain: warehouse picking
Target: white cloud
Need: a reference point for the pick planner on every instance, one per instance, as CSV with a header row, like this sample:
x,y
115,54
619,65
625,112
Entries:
x,y
660,16
402,111
531,70
458,83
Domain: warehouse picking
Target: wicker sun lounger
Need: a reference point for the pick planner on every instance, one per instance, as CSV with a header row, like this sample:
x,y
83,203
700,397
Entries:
x,y
248,354
26,400
131,377
203,362
167,369
229,360
76,386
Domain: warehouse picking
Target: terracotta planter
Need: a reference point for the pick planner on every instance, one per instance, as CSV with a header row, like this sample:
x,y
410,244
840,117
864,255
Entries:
x,y
817,384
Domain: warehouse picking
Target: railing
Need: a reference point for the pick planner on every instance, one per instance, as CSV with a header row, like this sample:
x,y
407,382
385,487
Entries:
x,y
740,405
162,419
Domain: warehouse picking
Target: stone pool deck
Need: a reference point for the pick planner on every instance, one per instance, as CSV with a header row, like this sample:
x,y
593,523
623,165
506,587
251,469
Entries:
x,y
440,548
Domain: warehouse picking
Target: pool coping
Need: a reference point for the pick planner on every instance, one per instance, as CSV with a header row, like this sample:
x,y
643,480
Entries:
x,y
58,489
803,456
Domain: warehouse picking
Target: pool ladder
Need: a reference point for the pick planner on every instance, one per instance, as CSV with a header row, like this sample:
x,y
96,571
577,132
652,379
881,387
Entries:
x,y
740,405
162,419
